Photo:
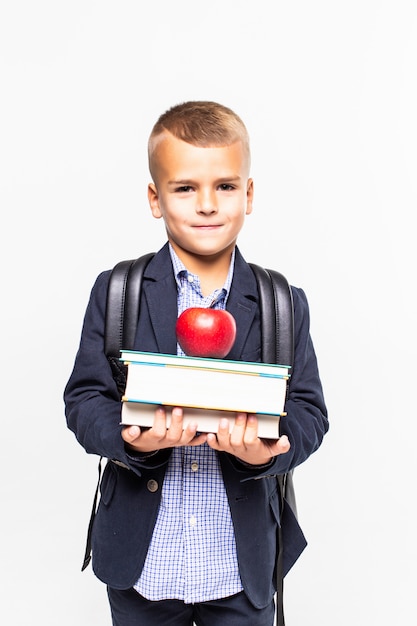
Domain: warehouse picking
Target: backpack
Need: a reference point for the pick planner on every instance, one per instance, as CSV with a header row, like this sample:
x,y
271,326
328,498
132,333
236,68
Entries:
x,y
277,328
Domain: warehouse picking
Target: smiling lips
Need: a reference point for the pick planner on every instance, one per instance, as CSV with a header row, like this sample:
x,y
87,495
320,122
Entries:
x,y
207,226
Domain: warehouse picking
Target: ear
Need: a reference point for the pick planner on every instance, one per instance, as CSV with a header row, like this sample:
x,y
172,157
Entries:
x,y
153,199
249,196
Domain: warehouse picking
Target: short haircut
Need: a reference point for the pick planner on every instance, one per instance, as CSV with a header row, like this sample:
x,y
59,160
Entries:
x,y
201,123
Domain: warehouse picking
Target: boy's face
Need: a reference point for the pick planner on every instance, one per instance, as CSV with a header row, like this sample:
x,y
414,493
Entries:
x,y
202,194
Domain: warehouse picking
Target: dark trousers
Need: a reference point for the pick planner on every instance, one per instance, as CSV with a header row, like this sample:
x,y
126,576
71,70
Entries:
x,y
128,608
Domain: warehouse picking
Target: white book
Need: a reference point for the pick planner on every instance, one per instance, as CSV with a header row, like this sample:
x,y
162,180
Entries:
x,y
205,387
266,369
142,414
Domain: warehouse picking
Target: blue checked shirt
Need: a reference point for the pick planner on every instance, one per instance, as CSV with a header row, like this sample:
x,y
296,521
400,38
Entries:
x,y
192,554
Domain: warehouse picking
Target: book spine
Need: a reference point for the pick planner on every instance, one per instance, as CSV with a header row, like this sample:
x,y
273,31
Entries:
x,y
204,368
133,401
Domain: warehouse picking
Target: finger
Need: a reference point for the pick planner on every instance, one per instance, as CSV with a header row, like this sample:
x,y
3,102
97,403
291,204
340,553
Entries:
x,y
238,432
212,441
130,433
281,446
190,431
199,440
223,436
190,436
251,430
284,444
176,427
159,426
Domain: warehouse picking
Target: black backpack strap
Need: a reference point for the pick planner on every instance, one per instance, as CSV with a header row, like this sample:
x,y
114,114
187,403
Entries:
x,y
277,324
87,554
122,314
277,328
123,300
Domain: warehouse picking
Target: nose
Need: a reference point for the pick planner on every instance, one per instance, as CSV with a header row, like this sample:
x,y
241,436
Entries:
x,y
207,203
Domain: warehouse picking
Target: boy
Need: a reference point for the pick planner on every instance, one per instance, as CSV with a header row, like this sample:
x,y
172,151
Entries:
x,y
185,532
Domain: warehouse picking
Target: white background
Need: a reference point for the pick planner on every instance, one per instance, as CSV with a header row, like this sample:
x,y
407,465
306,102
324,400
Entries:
x,y
328,92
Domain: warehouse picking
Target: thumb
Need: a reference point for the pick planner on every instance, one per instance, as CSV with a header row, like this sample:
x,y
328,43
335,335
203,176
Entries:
x,y
130,433
283,443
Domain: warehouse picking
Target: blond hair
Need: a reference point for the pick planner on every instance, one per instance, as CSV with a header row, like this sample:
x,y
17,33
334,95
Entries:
x,y
200,123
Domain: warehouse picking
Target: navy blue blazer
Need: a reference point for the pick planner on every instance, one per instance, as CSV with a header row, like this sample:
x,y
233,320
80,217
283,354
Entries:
x,y
131,486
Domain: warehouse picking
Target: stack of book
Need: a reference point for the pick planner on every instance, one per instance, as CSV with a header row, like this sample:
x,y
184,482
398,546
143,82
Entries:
x,y
207,389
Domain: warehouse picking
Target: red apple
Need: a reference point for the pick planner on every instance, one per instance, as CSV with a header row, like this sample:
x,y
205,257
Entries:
x,y
206,332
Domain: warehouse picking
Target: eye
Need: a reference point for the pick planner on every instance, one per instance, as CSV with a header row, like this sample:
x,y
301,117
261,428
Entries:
x,y
183,189
226,187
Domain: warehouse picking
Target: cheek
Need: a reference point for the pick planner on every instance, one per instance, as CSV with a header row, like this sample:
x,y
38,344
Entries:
x,y
175,209
174,218
240,212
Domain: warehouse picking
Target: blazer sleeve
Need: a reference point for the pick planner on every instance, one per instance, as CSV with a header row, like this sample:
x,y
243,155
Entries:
x,y
91,398
306,420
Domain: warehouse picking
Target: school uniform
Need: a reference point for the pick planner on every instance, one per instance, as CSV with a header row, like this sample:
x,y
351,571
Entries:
x,y
132,484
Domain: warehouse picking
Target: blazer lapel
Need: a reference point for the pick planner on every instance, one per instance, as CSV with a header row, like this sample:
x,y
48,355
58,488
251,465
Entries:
x,y
160,292
242,303
161,298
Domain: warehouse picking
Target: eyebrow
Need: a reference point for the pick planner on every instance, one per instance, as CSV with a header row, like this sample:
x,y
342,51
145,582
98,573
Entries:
x,y
219,181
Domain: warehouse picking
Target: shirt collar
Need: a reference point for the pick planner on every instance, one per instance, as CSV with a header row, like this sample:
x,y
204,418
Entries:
x,y
181,270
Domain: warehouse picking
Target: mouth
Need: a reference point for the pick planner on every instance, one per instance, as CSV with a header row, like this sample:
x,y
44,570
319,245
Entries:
x,y
204,227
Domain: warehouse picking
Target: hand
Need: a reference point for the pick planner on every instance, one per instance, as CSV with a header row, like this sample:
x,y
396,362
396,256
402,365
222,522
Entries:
x,y
159,436
243,442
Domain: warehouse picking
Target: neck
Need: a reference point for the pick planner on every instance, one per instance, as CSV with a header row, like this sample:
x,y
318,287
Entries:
x,y
212,269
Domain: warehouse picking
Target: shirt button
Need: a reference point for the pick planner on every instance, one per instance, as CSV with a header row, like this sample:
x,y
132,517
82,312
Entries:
x,y
190,278
193,521
194,466
152,485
